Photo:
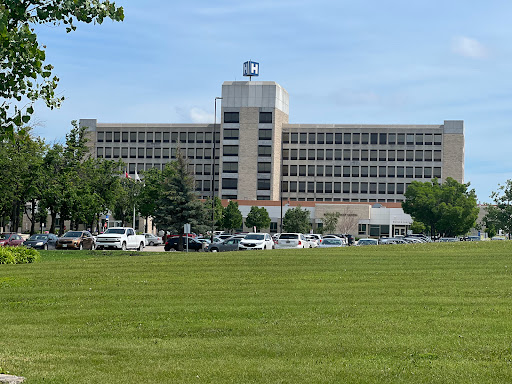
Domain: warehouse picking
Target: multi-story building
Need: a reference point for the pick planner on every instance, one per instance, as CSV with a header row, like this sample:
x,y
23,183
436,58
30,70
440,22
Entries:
x,y
260,156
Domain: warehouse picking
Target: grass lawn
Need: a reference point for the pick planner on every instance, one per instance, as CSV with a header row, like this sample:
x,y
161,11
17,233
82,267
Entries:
x,y
425,313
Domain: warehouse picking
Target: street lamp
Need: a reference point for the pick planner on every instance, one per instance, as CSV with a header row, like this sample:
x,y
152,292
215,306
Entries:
x,y
213,165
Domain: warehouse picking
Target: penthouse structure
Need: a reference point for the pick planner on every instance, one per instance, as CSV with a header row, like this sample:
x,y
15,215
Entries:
x,y
258,155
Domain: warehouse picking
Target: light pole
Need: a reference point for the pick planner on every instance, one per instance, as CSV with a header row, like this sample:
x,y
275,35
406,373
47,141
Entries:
x,y
213,165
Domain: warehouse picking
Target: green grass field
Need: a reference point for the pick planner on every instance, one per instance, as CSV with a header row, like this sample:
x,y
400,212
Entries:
x,y
426,313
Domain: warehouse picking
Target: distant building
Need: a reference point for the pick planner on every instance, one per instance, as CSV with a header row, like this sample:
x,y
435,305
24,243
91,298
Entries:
x,y
260,156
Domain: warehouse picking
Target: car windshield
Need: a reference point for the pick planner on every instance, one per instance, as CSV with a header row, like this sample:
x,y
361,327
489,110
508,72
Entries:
x,y
332,241
117,231
255,236
38,237
288,236
72,234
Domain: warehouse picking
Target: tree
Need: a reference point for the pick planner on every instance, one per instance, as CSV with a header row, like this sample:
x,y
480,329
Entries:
x,y
499,215
296,220
418,227
258,217
149,194
448,208
218,215
232,217
330,222
179,204
25,77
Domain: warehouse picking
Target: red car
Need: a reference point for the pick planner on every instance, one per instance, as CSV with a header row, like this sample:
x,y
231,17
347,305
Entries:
x,y
10,239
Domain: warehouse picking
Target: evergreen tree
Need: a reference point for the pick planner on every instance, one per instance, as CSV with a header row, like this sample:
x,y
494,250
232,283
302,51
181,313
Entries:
x,y
179,204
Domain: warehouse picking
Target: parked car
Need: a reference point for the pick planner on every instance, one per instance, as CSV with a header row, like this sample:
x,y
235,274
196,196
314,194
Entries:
x,y
331,236
41,241
391,240
498,238
172,244
230,244
224,236
312,241
76,240
152,239
121,238
292,240
362,242
10,239
330,243
256,241
448,239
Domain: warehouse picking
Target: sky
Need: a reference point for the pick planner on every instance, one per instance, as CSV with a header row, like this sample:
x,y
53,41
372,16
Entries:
x,y
342,62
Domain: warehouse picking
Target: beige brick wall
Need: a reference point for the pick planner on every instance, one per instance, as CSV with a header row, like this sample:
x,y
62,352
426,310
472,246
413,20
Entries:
x,y
453,157
280,118
248,154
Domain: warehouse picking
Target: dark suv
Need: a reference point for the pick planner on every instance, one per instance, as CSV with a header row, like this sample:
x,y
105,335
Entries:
x,y
172,244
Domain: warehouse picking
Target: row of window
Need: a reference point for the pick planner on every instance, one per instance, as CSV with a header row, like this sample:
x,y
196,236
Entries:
x,y
155,137
362,138
360,171
156,153
355,154
338,187
234,117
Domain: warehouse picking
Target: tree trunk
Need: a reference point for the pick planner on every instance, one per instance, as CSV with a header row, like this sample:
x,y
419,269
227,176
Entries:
x,y
33,219
53,216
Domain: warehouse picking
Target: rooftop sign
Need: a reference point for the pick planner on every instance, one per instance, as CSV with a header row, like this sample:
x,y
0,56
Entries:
x,y
251,68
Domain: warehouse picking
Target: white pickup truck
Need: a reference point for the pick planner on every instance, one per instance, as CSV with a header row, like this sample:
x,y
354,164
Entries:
x,y
120,238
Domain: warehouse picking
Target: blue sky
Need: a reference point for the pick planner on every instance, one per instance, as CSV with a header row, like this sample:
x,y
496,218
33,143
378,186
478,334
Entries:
x,y
366,62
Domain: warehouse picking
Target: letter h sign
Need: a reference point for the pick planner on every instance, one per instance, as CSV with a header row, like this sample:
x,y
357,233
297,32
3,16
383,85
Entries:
x,y
251,68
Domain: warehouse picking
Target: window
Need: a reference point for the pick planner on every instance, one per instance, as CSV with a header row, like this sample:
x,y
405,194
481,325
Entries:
x,y
320,154
293,186
356,138
346,138
427,172
355,155
165,153
400,172
320,138
346,171
400,188
142,137
108,137
303,138
263,150
337,154
437,172
231,117
311,187
400,139
364,138
337,171
337,138
293,170
124,152
265,118
337,187
229,134
382,171
191,137
419,139
229,183
229,150
410,138
364,171
312,138
418,172
158,153
311,170
373,171
409,172
140,153
355,171
428,139
294,138
199,137
284,186
391,155
383,138
418,155
293,154
133,153
382,188
99,153
346,187
392,138
364,155
382,155
319,187
328,138
373,188
374,138
346,154
265,134
409,155
437,139
400,155
364,188
285,170
327,187
117,137
428,155
391,171
302,170
302,154
262,167
328,154
373,155
149,153
263,184
183,137
199,169
437,155
355,187
320,170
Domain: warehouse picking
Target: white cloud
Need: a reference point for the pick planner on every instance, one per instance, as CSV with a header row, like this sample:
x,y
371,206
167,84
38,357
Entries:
x,y
468,47
195,115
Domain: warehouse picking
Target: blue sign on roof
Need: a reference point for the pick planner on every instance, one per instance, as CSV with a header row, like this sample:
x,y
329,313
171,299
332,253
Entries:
x,y
251,68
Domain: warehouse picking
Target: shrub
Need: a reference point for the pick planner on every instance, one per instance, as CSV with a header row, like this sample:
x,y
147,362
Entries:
x,y
18,255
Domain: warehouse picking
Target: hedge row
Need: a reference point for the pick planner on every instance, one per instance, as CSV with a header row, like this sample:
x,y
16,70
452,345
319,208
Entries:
x,y
18,255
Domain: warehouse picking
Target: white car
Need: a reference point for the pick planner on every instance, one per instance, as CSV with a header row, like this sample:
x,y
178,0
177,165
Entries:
x,y
313,241
343,239
367,242
152,239
292,240
256,241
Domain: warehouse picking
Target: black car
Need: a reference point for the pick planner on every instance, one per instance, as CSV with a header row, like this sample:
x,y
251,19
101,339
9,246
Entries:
x,y
172,244
41,241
